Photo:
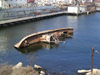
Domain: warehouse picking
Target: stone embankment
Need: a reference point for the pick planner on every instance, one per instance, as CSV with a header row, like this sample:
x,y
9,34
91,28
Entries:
x,y
88,72
20,70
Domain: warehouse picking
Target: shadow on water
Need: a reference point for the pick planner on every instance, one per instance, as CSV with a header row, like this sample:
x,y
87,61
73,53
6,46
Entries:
x,y
41,45
37,46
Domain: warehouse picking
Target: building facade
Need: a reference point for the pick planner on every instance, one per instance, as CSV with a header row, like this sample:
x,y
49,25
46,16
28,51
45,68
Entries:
x,y
15,3
97,3
0,3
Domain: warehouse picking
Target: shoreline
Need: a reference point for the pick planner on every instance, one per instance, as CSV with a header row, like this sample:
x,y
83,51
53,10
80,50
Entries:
x,y
18,69
12,22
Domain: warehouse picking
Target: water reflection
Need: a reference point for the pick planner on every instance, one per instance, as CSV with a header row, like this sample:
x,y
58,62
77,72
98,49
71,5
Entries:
x,y
72,21
38,46
3,42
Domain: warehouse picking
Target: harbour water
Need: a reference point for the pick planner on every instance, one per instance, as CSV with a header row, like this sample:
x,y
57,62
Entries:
x,y
67,57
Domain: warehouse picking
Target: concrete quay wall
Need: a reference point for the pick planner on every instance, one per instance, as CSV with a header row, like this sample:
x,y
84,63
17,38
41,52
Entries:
x,y
26,19
35,18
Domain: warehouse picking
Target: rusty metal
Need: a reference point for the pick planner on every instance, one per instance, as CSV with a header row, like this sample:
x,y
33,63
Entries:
x,y
42,36
92,59
61,73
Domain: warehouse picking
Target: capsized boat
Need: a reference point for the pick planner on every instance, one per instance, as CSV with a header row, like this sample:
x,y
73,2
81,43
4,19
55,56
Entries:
x,y
49,36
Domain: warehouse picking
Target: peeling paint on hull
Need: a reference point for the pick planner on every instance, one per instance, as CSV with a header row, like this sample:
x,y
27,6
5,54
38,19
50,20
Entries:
x,y
41,36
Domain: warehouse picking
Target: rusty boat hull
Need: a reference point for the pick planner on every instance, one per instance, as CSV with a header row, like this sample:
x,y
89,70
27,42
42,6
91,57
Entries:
x,y
44,36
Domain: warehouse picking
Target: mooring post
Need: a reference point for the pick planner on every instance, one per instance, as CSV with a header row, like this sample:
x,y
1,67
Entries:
x,y
61,73
92,59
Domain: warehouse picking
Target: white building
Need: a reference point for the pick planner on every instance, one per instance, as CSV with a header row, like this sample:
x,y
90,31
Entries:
x,y
90,0
70,1
83,1
73,9
43,2
0,3
13,3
